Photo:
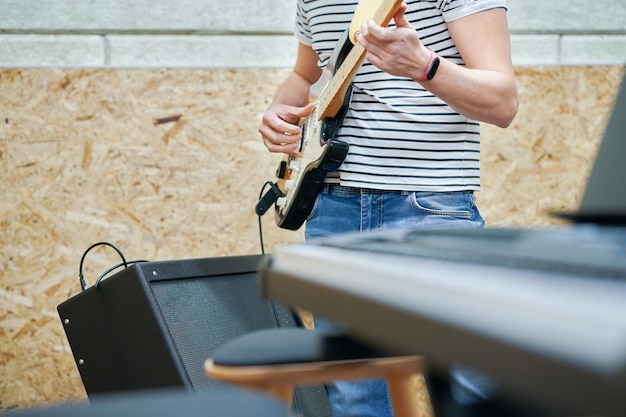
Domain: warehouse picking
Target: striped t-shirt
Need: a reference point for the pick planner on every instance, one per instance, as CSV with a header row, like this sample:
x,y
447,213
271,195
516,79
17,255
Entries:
x,y
401,136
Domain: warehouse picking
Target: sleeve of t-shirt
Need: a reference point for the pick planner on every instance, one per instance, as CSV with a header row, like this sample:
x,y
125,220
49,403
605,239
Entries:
x,y
457,9
301,28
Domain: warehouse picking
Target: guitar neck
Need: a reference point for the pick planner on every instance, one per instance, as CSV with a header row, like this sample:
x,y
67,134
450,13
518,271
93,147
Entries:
x,y
331,99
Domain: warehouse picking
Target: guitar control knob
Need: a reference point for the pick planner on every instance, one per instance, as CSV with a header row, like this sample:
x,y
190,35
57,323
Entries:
x,y
289,184
281,202
294,165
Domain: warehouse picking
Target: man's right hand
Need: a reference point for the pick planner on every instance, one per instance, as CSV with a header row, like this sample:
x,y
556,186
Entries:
x,y
280,128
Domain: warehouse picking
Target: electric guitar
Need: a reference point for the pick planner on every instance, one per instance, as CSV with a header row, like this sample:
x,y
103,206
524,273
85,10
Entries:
x,y
301,179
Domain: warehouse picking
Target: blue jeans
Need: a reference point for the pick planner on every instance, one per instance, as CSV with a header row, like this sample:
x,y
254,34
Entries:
x,y
345,209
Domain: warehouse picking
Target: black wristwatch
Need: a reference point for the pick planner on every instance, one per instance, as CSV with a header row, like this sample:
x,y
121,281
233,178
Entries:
x,y
433,68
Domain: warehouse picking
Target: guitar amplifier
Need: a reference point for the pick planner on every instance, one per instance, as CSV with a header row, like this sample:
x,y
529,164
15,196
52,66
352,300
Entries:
x,y
154,324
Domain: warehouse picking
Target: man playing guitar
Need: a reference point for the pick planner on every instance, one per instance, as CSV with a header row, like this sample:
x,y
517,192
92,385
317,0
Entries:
x,y
412,127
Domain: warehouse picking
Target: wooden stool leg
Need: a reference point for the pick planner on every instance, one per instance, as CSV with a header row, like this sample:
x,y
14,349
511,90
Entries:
x,y
403,395
282,392
423,395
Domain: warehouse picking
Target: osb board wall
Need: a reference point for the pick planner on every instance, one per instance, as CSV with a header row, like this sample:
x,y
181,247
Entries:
x,y
89,155
542,161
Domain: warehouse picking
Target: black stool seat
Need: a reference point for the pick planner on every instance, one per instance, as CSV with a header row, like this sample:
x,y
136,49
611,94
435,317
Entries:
x,y
277,360
291,345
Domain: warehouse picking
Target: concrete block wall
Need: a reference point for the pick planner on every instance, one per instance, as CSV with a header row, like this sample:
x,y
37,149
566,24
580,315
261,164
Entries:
x,y
568,32
244,33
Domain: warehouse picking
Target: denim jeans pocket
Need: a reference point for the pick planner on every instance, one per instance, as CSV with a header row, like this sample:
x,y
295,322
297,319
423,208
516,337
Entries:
x,y
453,204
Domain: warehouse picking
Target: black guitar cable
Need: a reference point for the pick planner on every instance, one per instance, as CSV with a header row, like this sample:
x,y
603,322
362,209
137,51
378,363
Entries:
x,y
266,199
124,263
114,267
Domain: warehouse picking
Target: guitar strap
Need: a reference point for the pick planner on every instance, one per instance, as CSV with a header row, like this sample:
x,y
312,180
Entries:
x,y
365,10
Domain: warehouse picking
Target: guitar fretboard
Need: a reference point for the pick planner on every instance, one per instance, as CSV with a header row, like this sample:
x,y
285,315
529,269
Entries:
x,y
331,98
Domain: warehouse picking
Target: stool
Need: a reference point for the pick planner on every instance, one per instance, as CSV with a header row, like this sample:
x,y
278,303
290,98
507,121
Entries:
x,y
275,360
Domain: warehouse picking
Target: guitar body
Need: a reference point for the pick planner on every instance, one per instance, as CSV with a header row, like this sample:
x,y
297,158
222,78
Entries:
x,y
300,180
323,154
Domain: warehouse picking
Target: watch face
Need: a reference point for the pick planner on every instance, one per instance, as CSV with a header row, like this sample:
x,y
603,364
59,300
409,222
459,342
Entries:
x,y
433,69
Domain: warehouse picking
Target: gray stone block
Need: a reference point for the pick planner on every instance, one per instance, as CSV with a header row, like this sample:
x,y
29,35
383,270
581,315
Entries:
x,y
532,50
594,50
202,51
567,16
181,16
51,50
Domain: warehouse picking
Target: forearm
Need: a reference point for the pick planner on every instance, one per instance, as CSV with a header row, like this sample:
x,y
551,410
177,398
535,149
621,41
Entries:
x,y
294,91
488,96
484,89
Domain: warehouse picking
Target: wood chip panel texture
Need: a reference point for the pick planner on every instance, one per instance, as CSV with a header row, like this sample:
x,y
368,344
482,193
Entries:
x,y
168,164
